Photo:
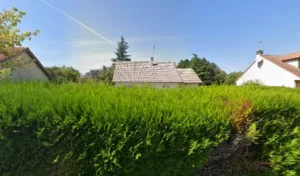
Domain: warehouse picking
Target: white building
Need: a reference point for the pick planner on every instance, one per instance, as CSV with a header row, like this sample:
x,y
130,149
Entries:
x,y
159,74
25,67
274,70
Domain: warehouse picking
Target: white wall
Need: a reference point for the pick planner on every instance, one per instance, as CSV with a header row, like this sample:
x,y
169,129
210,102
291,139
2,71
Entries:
x,y
269,74
293,63
30,70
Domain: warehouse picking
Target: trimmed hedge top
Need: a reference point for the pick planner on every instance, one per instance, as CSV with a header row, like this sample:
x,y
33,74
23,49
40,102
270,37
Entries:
x,y
95,129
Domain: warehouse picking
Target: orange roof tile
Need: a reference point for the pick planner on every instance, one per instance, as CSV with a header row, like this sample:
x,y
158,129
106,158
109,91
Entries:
x,y
278,60
290,56
11,52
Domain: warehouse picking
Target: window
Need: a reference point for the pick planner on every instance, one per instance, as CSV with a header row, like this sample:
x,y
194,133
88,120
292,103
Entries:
x,y
297,82
260,63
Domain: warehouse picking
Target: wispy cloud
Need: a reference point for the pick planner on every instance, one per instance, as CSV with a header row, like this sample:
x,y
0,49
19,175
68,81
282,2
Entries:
x,y
78,43
73,42
78,22
87,60
94,58
93,54
153,38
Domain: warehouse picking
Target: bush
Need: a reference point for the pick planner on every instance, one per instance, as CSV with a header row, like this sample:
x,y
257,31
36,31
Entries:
x,y
95,129
254,83
63,74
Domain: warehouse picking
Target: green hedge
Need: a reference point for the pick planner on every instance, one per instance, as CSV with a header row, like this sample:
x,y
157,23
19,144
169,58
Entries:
x,y
95,129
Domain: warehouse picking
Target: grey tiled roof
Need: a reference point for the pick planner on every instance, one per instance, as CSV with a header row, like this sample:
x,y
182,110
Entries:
x,y
188,75
146,72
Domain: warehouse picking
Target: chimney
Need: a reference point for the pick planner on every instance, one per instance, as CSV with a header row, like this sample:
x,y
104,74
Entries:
x,y
258,58
152,59
259,52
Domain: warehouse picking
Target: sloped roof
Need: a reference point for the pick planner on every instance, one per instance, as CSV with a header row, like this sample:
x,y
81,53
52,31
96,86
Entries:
x,y
11,52
278,60
290,56
188,75
284,57
14,52
146,72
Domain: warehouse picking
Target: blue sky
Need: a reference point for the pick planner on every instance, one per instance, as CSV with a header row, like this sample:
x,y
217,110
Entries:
x,y
225,32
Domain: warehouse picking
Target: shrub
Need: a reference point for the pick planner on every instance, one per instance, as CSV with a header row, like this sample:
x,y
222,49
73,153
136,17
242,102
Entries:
x,y
256,82
96,129
90,129
63,74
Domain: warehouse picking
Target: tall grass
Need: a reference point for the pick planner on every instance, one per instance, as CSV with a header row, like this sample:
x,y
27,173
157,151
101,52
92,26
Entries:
x,y
96,129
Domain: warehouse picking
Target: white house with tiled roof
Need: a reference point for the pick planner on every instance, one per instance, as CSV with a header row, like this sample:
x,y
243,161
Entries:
x,y
157,74
273,70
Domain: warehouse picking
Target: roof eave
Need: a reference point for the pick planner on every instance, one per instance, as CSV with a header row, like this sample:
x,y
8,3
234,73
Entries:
x,y
280,66
30,53
38,62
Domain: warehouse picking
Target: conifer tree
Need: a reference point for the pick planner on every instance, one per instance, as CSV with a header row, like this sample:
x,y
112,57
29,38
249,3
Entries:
x,y
121,51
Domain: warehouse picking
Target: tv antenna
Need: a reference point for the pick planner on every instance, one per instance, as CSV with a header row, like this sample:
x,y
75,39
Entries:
x,y
153,50
152,58
260,44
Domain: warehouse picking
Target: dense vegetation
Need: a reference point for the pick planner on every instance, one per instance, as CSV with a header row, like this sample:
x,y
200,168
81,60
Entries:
x,y
95,129
11,36
209,72
104,74
63,74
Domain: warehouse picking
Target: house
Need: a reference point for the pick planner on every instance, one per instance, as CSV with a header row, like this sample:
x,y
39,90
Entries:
x,y
27,66
273,70
159,74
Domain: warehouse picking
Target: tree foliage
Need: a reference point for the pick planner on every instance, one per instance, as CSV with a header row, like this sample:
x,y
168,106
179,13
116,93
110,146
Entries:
x,y
208,72
232,77
11,36
121,51
105,74
63,74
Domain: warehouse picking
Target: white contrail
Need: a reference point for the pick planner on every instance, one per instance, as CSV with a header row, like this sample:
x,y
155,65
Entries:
x,y
78,22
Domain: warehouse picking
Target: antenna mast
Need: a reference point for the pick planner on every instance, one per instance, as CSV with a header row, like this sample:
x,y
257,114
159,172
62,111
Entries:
x,y
259,45
153,50
152,58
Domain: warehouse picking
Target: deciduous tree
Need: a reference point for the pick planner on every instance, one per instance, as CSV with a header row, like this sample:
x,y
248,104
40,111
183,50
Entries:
x,y
105,74
207,71
11,36
63,74
232,77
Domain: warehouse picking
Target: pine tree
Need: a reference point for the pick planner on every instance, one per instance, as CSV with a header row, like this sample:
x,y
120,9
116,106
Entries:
x,y
122,53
